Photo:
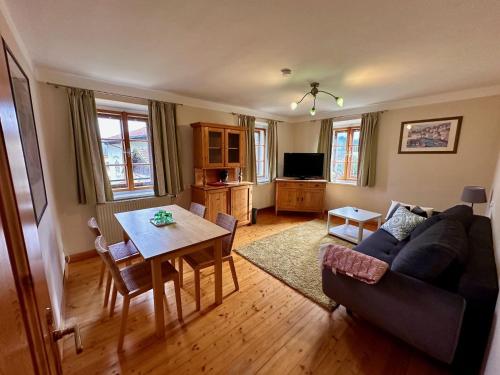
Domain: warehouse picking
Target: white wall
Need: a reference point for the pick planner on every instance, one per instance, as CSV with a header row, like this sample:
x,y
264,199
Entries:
x,y
72,216
434,180
47,230
492,358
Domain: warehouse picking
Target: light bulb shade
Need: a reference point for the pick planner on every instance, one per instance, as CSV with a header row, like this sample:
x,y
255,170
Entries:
x,y
474,194
340,101
293,106
313,111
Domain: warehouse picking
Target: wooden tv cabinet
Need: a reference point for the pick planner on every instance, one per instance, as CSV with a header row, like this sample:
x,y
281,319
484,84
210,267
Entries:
x,y
300,195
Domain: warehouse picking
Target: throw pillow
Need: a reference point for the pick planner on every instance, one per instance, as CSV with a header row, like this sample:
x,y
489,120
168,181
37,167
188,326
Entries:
x,y
396,204
402,223
422,227
429,255
419,211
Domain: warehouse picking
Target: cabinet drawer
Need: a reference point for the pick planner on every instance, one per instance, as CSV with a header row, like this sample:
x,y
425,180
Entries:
x,y
302,185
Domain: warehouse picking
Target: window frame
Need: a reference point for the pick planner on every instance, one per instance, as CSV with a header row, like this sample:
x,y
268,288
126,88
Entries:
x,y
124,117
263,135
347,177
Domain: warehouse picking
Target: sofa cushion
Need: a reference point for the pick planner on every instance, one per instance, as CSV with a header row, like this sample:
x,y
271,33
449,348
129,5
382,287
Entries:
x,y
422,227
402,223
429,255
461,213
381,245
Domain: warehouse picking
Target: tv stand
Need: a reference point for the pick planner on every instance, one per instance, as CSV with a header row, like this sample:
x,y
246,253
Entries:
x,y
300,195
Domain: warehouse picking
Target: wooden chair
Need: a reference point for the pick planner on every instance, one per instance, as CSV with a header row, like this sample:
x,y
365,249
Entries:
x,y
121,253
197,209
204,258
134,280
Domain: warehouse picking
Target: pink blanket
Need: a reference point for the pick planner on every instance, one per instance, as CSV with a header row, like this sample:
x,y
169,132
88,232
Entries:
x,y
352,263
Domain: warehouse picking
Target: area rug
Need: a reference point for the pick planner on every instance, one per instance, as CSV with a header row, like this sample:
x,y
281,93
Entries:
x,y
292,257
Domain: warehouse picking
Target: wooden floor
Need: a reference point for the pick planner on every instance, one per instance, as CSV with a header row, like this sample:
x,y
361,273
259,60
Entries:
x,y
265,328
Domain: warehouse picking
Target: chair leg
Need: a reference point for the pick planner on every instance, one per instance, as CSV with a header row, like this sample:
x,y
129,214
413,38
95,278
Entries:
x,y
108,288
101,276
113,301
123,326
178,302
172,261
197,289
233,272
181,272
165,301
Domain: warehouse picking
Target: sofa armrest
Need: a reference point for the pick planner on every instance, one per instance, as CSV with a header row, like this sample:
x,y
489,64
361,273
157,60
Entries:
x,y
427,317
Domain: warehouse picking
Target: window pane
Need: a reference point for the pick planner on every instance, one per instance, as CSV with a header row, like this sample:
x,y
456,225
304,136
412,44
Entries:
x,y
137,129
341,139
142,175
354,161
139,151
110,128
355,137
257,138
260,153
116,174
113,152
339,170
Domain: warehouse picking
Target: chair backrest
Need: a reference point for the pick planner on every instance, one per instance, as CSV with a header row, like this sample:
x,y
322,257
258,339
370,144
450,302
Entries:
x,y
227,222
197,209
94,227
102,250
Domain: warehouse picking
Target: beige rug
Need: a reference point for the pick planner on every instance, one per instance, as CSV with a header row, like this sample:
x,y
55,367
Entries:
x,y
292,257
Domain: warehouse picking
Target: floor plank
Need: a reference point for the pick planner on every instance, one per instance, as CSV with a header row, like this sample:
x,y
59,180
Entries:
x,y
264,328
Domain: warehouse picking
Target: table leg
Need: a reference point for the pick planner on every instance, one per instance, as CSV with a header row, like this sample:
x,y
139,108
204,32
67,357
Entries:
x,y
158,291
328,224
218,271
379,222
360,232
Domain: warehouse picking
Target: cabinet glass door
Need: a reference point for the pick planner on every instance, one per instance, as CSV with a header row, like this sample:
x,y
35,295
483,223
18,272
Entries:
x,y
216,147
233,152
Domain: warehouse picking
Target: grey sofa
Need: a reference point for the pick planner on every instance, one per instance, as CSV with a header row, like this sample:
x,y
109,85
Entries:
x,y
447,316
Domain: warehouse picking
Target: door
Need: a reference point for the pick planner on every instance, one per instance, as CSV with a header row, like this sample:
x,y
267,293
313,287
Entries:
x,y
234,148
241,204
20,249
312,200
288,199
214,147
216,202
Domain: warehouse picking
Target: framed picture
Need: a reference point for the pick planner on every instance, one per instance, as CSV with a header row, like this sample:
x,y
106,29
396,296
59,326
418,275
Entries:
x,y
434,136
21,93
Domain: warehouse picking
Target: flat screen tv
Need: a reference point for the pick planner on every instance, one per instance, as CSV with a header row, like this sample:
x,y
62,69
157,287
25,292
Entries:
x,y
303,165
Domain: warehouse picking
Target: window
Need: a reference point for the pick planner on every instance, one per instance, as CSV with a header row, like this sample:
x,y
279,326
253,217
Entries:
x,y
260,153
126,148
345,154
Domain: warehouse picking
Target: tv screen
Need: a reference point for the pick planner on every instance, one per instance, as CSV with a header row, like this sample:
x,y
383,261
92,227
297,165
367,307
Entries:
x,y
303,165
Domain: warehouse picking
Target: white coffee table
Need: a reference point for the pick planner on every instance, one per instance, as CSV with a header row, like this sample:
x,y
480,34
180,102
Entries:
x,y
350,232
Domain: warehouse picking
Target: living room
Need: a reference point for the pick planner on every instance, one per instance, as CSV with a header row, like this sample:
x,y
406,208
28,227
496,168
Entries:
x,y
358,100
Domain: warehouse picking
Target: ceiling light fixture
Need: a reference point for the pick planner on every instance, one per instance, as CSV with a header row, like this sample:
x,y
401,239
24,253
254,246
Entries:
x,y
285,72
314,91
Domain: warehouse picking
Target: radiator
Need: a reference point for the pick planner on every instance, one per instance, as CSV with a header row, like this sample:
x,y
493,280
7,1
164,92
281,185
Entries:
x,y
110,228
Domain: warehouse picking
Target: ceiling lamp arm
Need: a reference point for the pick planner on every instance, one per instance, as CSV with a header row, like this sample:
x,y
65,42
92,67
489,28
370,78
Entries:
x,y
300,101
326,92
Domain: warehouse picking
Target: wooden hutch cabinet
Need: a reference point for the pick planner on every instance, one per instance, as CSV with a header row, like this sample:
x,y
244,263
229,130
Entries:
x,y
300,195
218,150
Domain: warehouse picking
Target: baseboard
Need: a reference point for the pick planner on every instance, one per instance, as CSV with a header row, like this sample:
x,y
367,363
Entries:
x,y
81,256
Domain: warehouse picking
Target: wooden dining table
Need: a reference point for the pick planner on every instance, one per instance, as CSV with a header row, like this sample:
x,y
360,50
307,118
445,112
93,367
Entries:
x,y
190,233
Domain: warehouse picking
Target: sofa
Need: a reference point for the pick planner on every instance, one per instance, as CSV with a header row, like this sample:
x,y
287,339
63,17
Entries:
x,y
442,304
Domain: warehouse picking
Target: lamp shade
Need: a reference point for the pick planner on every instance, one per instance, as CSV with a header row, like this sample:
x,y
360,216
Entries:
x,y
474,194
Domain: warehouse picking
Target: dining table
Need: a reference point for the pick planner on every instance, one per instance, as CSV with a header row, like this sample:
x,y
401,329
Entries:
x,y
188,233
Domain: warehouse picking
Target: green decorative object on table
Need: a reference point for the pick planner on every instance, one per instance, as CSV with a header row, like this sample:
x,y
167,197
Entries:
x,y
162,218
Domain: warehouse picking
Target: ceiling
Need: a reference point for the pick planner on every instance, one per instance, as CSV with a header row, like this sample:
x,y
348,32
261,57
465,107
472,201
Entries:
x,y
231,52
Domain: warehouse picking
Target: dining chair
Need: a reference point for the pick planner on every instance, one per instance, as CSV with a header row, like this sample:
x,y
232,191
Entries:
x,y
134,280
197,209
121,252
204,258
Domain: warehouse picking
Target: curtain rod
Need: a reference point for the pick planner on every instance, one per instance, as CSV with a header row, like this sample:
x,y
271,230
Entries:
x,y
260,118
57,85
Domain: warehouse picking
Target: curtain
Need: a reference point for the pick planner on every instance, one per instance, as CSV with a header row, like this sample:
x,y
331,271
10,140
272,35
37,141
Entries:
x,y
167,169
272,148
325,145
368,149
248,123
92,180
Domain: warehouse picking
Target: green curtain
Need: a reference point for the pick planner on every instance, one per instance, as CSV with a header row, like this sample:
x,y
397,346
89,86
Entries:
x,y
167,169
250,171
325,145
92,180
368,149
272,148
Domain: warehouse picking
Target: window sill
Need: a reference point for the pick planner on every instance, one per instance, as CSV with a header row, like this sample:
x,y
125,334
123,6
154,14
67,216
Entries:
x,y
263,182
123,195
343,182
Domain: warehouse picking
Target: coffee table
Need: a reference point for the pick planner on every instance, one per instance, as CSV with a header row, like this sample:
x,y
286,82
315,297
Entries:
x,y
349,232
